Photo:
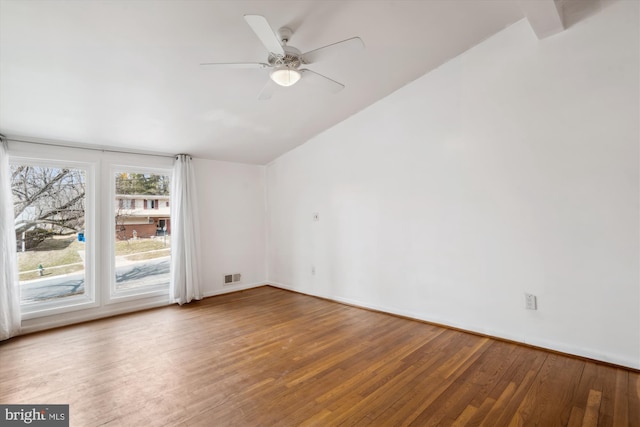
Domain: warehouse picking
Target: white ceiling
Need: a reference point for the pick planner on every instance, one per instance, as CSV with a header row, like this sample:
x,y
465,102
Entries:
x,y
126,73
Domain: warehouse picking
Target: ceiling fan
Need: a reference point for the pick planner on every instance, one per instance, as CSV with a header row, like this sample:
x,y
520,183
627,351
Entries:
x,y
285,61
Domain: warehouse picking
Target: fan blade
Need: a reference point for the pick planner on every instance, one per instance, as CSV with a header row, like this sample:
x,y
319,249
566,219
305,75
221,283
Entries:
x,y
326,83
235,65
267,90
261,27
350,45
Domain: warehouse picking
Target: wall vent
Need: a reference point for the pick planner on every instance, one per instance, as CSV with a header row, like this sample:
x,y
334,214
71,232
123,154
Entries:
x,y
232,278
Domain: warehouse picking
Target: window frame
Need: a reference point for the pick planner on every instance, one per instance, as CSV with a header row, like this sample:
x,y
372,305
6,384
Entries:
x,y
91,296
113,296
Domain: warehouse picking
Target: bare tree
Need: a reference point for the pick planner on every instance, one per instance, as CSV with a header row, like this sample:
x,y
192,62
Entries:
x,y
48,200
121,229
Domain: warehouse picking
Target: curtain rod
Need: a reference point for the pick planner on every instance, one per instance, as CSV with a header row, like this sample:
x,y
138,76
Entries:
x,y
104,150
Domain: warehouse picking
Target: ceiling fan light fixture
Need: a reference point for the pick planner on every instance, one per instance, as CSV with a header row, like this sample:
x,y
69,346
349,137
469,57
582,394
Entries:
x,y
285,76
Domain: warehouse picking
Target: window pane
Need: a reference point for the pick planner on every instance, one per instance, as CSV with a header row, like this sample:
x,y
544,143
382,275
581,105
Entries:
x,y
142,232
49,208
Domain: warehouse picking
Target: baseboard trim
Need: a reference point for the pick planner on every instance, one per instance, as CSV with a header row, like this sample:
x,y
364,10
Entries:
x,y
234,288
396,313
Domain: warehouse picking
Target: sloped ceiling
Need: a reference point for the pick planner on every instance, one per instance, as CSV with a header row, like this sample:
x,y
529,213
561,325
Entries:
x,y
126,74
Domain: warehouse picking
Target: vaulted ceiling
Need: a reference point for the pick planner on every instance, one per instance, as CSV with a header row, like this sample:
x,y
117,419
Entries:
x,y
126,73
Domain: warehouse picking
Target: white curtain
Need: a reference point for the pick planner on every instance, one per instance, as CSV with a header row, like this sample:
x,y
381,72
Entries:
x,y
9,291
185,280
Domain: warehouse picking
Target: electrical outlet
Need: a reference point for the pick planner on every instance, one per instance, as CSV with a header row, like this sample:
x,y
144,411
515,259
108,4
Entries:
x,y
531,302
316,216
313,270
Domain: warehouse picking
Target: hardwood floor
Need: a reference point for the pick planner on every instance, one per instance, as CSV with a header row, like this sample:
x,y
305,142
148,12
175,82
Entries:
x,y
271,357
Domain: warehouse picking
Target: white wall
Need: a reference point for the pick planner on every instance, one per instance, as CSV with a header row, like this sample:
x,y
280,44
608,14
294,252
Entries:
x,y
232,219
513,168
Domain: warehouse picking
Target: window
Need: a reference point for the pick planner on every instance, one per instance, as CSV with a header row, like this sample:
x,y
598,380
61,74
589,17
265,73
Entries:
x,y
127,203
71,228
142,238
153,204
53,233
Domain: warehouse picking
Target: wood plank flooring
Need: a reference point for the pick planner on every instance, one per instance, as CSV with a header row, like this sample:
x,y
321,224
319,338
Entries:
x,y
267,357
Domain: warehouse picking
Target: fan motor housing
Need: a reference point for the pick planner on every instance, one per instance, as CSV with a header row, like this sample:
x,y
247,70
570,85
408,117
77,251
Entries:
x,y
290,59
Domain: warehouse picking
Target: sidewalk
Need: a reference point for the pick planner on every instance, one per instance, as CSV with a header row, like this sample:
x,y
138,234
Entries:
x,y
120,261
